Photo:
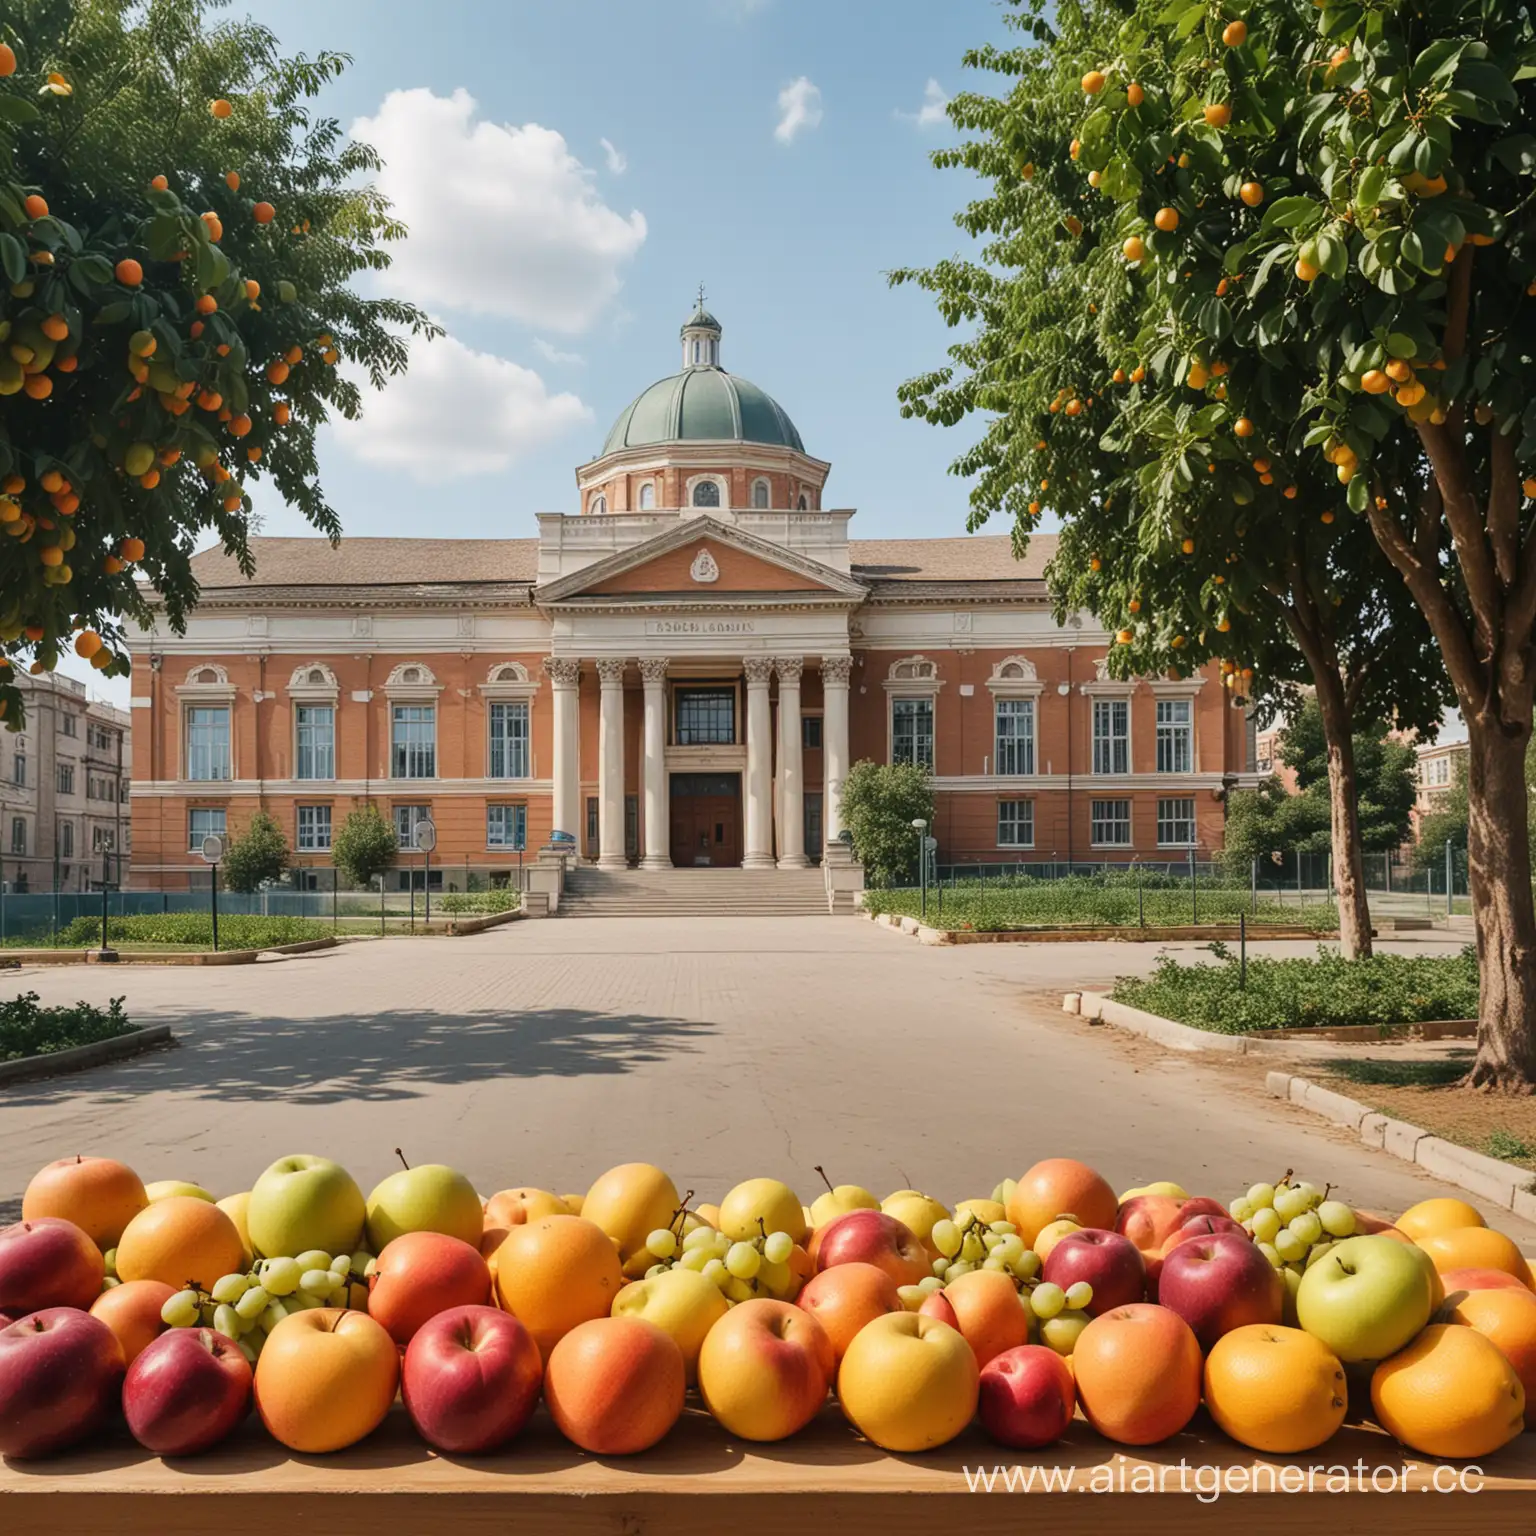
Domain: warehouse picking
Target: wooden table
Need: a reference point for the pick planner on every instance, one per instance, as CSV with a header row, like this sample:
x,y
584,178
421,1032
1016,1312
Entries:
x,y
701,1480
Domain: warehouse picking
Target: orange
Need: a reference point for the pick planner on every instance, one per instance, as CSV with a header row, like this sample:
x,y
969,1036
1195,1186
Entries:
x,y
277,371
39,386
555,1273
129,273
159,183
1507,1319
1443,1214
55,327
1252,193
36,207
282,414
1134,95
264,213
131,549
252,289
132,1312
239,426
214,225
1134,248
1235,34
1060,1186
99,1195
1166,219
326,1378
206,304
232,180
1218,114
220,108
1093,82
180,1240
1450,1393
7,60
1476,1248
1275,1389
87,643
1243,427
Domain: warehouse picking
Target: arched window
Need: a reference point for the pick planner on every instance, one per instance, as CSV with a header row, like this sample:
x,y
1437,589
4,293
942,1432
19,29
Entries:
x,y
760,494
599,506
706,494
803,505
695,351
647,496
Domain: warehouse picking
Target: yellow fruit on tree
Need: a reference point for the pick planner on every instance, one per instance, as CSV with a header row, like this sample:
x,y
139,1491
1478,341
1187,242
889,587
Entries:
x,y
1235,34
1134,95
1134,248
1218,114
1093,81
1166,219
1252,193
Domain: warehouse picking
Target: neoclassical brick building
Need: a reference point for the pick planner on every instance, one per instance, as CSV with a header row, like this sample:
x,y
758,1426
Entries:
x,y
680,673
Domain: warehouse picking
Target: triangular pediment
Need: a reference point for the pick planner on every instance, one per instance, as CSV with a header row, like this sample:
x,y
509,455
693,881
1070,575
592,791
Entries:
x,y
701,558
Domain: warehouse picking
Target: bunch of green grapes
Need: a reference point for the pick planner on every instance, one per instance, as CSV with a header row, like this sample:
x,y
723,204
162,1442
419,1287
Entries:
x,y
967,1242
110,1278
245,1308
757,1266
1060,1314
1294,1224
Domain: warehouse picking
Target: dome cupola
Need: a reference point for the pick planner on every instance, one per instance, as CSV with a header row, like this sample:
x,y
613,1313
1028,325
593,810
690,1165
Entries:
x,y
701,337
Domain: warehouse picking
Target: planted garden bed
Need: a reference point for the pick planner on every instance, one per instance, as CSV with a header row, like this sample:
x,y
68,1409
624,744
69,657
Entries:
x,y
27,1029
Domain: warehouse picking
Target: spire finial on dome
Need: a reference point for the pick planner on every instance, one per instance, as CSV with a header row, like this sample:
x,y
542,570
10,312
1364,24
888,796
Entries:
x,y
701,337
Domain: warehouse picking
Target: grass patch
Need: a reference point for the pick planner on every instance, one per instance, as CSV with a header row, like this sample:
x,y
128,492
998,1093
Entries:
x,y
1510,1148
481,903
1399,1074
1323,991
29,1030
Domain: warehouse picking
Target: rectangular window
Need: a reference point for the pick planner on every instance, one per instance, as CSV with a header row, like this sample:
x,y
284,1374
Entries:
x,y
509,741
1110,825
592,807
912,732
1175,736
810,733
1016,737
632,826
1111,736
706,717
314,828
406,818
18,834
66,839
207,741
1176,823
506,826
66,778
314,728
68,725
204,821
413,740
1015,823
19,768
101,839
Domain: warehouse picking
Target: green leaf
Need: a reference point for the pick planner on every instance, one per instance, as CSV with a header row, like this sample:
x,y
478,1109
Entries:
x,y
1372,181
14,110
1292,213
111,314
1401,345
13,257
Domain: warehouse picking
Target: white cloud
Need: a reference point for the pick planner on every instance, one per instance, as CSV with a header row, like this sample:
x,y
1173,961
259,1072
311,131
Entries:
x,y
799,107
618,161
503,220
553,354
458,412
935,99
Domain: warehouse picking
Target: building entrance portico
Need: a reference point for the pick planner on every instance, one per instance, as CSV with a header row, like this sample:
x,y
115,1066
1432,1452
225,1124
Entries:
x,y
706,820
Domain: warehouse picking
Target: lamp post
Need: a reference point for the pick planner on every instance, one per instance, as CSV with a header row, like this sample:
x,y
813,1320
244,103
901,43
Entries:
x,y
425,838
213,851
921,828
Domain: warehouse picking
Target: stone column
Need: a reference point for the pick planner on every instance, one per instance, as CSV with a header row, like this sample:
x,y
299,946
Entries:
x,y
758,853
835,672
655,826
610,766
564,673
791,770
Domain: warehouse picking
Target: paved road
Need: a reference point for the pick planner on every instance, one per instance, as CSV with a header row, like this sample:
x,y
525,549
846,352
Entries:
x,y
543,1053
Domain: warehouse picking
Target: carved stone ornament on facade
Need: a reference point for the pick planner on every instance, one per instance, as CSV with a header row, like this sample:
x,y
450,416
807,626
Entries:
x,y
789,669
653,670
758,670
562,671
610,671
704,568
836,671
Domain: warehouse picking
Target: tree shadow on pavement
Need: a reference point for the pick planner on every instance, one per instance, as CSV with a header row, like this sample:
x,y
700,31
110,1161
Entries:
x,y
386,1056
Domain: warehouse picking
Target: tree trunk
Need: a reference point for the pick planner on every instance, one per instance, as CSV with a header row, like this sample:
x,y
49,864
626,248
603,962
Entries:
x,y
1503,912
1344,813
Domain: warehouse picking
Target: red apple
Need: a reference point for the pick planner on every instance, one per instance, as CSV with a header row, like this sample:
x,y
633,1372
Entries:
x,y
872,1237
1150,1220
1219,1283
420,1274
187,1391
1198,1226
1027,1397
940,1306
1110,1263
471,1379
60,1374
49,1262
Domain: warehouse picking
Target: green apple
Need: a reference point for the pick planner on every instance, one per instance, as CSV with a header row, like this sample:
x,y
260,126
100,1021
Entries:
x,y
1366,1298
304,1202
839,1201
166,1188
431,1197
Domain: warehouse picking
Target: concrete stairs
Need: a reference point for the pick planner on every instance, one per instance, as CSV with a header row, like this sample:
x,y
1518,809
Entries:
x,y
592,892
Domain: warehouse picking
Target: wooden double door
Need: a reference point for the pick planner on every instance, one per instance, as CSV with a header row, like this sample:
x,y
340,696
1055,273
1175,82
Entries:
x,y
706,820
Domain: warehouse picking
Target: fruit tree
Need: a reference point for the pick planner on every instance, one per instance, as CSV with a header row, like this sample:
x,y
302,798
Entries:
x,y
177,240
1309,241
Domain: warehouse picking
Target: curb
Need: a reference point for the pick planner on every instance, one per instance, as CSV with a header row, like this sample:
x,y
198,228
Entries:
x,y
171,957
97,1053
1502,1183
1100,1008
1214,933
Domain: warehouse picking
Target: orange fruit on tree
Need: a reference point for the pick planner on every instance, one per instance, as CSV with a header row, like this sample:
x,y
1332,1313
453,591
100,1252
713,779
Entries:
x,y
55,327
51,480
1134,95
87,643
1449,1393
129,273
1093,82
1134,248
233,502
150,479
132,549
1235,34
1307,271
159,183
282,413
36,207
1252,193
293,354
1188,546
220,108
38,385
112,566
1374,381
264,213
252,289
1476,1248
7,60
232,180
206,304
277,371
1507,1319
1275,1389
239,426
1243,427
1218,114
1166,219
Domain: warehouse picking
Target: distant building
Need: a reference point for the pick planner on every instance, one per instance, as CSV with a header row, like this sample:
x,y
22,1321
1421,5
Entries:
x,y
1436,773
1266,754
64,818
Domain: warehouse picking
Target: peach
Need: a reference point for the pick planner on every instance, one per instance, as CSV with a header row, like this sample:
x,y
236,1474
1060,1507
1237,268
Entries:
x,y
1480,1280
99,1195
132,1312
510,1208
1476,1248
555,1273
1507,1319
615,1385
1138,1371
325,1379
765,1369
420,1274
180,1240
682,1303
908,1382
842,1299
988,1312
1060,1186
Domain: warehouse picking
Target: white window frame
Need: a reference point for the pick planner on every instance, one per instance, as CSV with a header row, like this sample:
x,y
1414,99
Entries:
x,y
217,826
1110,740
645,497
912,678
411,684
1098,821
321,756
722,491
207,687
18,845
508,682
515,812
405,832
761,483
516,745
312,845
1172,732
915,702
412,752
191,708
1164,818
1017,803
598,506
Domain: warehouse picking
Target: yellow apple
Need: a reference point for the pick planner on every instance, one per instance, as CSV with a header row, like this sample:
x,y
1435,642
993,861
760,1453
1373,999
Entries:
x,y
235,1207
1051,1234
918,1213
682,1303
573,1203
709,1215
164,1189
768,1201
985,1211
1162,1187
908,1382
629,1203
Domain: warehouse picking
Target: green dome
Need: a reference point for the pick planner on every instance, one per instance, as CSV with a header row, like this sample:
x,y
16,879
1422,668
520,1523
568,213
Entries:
x,y
703,405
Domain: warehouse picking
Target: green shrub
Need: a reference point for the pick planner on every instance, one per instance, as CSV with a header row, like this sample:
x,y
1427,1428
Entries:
x,y
487,902
364,846
1291,994
194,929
257,855
28,1030
880,801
